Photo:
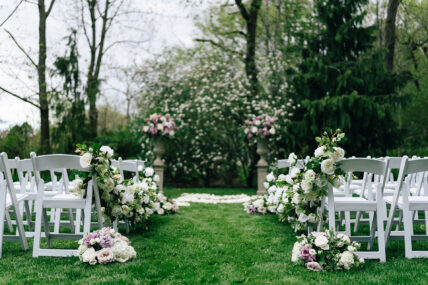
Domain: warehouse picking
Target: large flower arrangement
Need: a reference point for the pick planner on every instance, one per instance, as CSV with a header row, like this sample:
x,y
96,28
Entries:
x,y
160,125
105,246
297,196
121,199
260,126
326,250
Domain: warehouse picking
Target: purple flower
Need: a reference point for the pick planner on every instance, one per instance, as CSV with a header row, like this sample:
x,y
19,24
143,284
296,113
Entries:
x,y
250,135
90,237
252,210
305,255
106,241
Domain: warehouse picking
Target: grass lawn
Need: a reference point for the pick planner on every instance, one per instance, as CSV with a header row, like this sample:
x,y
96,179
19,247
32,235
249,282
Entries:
x,y
217,244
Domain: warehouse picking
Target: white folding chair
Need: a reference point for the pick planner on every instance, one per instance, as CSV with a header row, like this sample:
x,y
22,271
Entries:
x,y
61,200
355,204
8,200
408,204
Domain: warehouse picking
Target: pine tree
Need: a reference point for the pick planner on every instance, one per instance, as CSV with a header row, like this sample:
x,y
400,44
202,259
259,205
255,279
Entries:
x,y
342,81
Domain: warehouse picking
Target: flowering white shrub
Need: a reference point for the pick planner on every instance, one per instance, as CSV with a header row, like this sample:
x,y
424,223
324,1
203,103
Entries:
x,y
326,251
207,93
105,246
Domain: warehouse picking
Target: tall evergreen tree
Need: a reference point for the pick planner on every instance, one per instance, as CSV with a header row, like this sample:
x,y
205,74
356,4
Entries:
x,y
342,81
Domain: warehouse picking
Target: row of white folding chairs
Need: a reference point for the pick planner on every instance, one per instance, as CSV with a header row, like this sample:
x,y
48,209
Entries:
x,y
375,203
12,200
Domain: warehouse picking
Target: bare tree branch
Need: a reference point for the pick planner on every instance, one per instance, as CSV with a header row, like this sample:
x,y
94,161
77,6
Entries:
x,y
121,42
214,43
21,48
242,9
19,97
13,12
50,8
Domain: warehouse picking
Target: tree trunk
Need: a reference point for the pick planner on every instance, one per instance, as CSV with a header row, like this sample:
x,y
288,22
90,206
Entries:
x,y
41,71
390,33
250,18
92,88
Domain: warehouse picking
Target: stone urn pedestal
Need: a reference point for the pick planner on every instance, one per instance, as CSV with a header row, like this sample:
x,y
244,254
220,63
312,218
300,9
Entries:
x,y
159,164
262,166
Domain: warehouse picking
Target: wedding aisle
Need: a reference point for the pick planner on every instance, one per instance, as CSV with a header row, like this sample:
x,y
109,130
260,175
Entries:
x,y
206,243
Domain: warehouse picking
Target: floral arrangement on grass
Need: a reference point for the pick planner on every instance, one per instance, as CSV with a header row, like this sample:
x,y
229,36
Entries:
x,y
105,246
160,125
165,206
257,204
121,199
260,126
297,196
300,193
326,251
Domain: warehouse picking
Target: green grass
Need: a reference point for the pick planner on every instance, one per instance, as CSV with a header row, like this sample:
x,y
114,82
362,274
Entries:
x,y
214,244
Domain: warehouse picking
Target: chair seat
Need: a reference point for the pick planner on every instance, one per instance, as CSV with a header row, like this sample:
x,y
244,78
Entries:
x,y
19,198
63,201
17,186
415,202
353,204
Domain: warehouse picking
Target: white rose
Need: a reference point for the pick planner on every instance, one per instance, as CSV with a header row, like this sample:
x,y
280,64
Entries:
x,y
107,150
322,242
312,251
149,171
294,171
161,211
296,252
306,186
338,181
270,177
254,129
319,152
272,131
167,206
272,189
280,208
303,218
266,185
296,199
328,166
310,175
156,178
281,177
289,179
82,248
312,218
351,248
346,259
338,154
89,256
259,203
85,160
292,158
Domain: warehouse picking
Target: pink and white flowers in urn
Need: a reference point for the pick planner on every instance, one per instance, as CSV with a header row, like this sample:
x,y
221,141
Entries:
x,y
160,125
261,126
326,251
105,246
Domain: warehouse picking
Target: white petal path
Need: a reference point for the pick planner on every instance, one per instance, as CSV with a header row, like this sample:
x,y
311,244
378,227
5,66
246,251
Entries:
x,y
186,198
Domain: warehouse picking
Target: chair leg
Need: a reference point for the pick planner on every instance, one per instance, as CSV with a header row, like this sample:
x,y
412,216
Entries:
x,y
71,218
400,220
357,221
2,217
348,223
38,227
9,221
408,225
20,226
47,228
426,223
57,220
78,221
28,215
381,231
373,226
